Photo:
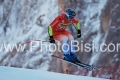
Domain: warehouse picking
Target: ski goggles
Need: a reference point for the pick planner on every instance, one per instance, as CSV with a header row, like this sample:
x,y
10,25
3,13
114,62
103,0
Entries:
x,y
70,17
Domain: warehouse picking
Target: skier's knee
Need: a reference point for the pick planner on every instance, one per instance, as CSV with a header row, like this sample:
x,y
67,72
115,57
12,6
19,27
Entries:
x,y
65,39
71,38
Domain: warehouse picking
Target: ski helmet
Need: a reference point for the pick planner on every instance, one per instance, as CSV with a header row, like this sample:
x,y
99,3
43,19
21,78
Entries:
x,y
70,14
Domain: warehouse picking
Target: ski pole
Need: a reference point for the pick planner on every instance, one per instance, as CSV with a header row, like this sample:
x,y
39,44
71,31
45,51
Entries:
x,y
62,8
74,26
33,40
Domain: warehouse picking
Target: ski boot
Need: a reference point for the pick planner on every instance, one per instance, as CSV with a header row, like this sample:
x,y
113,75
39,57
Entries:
x,y
68,57
75,58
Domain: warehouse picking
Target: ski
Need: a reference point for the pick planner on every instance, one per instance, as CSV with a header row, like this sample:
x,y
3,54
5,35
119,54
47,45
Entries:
x,y
89,67
82,65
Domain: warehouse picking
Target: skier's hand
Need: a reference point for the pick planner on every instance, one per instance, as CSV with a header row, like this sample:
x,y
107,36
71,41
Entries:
x,y
51,39
79,34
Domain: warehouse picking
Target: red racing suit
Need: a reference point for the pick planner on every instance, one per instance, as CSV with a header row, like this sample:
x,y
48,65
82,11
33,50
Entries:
x,y
60,23
57,30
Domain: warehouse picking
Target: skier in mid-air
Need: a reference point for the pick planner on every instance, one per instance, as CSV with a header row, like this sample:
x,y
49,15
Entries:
x,y
57,31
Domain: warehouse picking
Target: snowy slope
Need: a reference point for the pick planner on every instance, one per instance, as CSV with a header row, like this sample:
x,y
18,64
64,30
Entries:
x,y
9,73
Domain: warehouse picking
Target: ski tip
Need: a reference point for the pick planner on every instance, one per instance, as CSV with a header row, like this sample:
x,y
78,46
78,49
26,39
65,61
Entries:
x,y
98,69
61,5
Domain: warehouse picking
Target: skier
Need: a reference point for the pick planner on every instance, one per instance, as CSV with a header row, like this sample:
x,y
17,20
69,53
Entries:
x,y
57,31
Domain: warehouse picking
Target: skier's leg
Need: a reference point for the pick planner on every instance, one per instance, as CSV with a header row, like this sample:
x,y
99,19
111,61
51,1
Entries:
x,y
72,49
64,39
70,39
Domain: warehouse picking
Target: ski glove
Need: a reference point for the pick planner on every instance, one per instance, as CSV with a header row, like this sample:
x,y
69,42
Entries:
x,y
51,39
79,34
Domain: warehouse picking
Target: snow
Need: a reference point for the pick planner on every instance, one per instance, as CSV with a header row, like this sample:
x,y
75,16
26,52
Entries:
x,y
10,73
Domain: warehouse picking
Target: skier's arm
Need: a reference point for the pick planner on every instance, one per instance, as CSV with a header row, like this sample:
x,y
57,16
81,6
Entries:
x,y
78,27
50,30
79,30
50,34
